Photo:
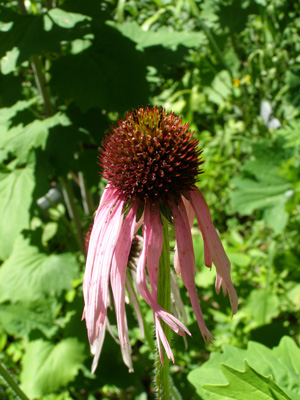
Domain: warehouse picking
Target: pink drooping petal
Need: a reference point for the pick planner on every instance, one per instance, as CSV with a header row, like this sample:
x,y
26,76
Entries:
x,y
96,283
97,347
161,337
155,243
118,272
168,318
106,203
187,262
216,250
191,215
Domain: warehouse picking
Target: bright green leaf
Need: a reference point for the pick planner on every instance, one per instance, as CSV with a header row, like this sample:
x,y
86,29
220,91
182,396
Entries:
x,y
282,364
247,385
16,188
20,139
48,367
267,190
29,274
162,37
21,318
267,310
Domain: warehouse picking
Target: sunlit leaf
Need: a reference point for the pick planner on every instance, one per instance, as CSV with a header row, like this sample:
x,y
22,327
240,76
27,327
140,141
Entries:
x,y
21,318
281,364
29,274
48,367
247,384
16,188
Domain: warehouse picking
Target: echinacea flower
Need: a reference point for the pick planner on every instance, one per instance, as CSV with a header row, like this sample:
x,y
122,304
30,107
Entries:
x,y
152,163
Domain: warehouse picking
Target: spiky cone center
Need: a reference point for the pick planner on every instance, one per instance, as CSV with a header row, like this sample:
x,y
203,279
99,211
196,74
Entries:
x,y
151,155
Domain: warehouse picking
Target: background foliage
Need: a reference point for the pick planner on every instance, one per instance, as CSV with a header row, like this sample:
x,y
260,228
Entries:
x,y
68,69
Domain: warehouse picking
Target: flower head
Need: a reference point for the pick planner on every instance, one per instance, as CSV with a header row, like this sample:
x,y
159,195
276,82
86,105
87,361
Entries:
x,y
152,163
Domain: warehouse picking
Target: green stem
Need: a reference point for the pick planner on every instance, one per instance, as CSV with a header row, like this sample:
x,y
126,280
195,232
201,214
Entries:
x,y
196,12
41,84
12,383
69,199
164,300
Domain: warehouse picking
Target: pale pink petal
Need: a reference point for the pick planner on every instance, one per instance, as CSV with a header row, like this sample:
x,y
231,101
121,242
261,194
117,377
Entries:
x,y
97,347
191,215
168,318
187,262
97,284
118,271
155,244
161,337
106,203
211,238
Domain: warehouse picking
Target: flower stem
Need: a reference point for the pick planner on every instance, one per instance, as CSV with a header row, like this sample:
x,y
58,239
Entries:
x,y
12,383
164,300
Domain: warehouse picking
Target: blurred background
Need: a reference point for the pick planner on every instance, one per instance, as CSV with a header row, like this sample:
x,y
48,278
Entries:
x,y
69,68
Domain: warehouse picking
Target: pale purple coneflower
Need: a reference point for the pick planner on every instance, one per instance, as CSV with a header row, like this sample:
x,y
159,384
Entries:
x,y
152,163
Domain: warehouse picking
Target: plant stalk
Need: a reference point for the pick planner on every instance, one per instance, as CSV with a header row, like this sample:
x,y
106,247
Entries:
x,y
12,383
164,300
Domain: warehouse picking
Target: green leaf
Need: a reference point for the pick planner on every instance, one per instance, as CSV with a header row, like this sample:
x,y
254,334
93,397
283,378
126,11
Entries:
x,y
48,367
282,364
267,189
20,139
247,385
161,37
102,82
21,318
34,34
28,274
220,89
16,188
262,315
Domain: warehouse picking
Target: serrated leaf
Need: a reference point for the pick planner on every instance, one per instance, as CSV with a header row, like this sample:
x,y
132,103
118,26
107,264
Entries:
x,y
21,318
34,34
20,139
282,363
16,188
247,385
28,274
48,367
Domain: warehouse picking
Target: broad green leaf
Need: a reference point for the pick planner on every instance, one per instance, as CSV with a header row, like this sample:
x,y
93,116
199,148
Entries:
x,y
34,34
48,367
282,364
264,313
161,37
247,385
9,61
21,318
20,139
267,189
220,89
16,188
102,82
28,274
64,18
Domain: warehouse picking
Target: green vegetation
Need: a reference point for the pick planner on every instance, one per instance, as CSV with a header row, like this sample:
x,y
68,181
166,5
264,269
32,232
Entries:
x,y
231,69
